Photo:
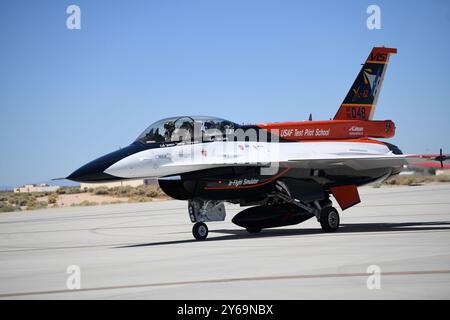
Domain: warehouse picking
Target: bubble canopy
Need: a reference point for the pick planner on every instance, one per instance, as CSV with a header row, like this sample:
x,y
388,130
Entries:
x,y
186,129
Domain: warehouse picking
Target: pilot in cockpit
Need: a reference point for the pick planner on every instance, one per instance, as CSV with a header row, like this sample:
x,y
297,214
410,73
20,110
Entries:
x,y
169,128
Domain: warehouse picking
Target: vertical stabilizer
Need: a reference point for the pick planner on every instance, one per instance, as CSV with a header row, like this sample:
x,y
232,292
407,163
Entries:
x,y
362,98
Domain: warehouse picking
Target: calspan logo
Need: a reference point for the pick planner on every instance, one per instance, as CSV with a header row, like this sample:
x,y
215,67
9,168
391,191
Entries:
x,y
356,131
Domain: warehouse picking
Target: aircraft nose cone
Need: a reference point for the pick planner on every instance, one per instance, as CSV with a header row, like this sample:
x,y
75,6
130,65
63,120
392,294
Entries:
x,y
94,171
91,172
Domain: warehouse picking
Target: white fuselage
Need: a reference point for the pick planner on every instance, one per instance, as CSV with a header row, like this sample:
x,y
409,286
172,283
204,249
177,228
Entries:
x,y
181,158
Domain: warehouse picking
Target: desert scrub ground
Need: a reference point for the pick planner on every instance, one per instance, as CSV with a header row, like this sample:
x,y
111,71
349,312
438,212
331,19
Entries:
x,y
136,194
10,201
74,196
413,180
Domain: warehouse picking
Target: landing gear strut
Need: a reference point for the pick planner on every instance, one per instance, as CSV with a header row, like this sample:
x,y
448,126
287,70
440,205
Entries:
x,y
201,211
327,216
329,219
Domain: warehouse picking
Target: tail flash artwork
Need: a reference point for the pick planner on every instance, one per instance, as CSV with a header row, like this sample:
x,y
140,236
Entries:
x,y
361,100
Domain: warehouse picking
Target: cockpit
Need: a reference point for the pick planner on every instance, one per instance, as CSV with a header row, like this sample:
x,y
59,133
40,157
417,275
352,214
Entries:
x,y
187,129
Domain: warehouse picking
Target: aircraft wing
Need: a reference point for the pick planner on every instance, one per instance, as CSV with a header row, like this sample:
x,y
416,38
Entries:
x,y
313,161
354,162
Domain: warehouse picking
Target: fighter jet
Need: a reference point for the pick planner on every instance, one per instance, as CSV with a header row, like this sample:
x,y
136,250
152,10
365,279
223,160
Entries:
x,y
284,173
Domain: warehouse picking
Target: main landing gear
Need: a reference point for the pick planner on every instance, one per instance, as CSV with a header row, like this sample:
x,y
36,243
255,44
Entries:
x,y
329,219
326,214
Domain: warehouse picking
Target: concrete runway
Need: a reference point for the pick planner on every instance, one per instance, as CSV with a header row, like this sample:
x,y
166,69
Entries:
x,y
146,251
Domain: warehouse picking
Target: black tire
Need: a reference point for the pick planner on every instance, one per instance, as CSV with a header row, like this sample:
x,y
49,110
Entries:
x,y
253,230
200,231
329,219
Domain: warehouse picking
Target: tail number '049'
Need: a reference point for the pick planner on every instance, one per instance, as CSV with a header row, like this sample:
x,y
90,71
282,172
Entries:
x,y
260,309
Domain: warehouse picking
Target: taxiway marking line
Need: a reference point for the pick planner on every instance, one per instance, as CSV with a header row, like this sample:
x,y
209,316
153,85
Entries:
x,y
229,280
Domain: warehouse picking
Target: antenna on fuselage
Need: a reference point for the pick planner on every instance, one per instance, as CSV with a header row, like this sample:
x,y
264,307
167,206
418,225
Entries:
x,y
310,117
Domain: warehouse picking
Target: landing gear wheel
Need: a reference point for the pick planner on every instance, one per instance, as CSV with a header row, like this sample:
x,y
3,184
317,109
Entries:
x,y
329,219
200,231
253,230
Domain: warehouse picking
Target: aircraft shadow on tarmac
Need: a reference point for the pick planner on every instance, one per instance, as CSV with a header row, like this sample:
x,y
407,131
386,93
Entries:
x,y
233,234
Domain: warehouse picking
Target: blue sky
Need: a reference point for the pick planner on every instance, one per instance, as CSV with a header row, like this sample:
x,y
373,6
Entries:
x,y
68,96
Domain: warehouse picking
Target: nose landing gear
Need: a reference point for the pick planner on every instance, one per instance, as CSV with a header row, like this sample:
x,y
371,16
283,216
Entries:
x,y
201,211
200,231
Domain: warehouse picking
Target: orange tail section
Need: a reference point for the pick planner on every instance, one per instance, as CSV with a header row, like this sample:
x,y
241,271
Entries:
x,y
361,100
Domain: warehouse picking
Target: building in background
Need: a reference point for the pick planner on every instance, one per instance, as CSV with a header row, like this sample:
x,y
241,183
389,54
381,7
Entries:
x,y
121,183
443,172
417,170
28,188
